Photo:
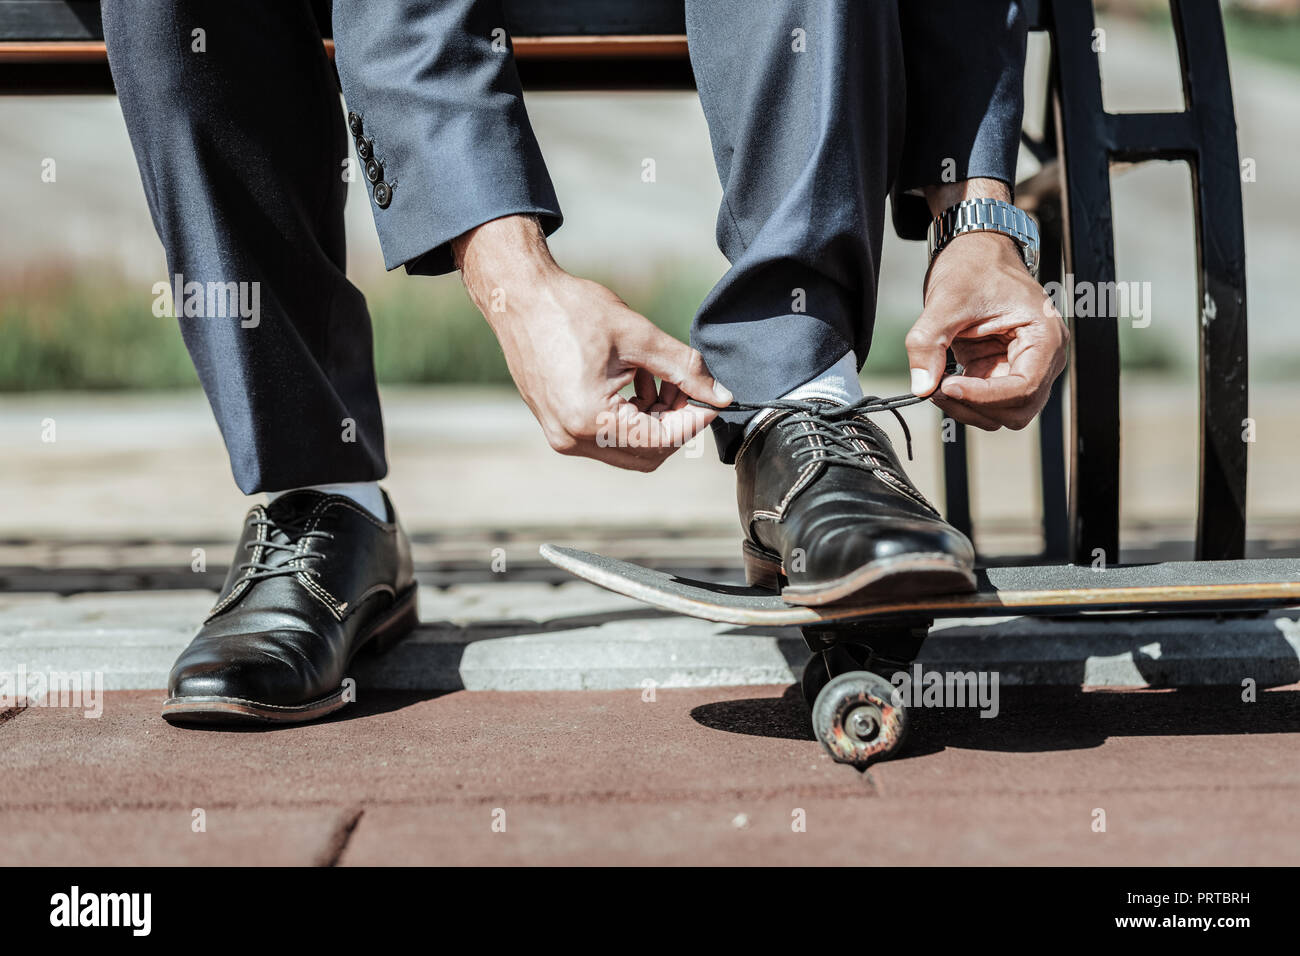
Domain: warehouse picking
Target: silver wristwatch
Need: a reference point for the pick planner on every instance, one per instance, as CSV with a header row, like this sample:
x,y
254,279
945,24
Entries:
x,y
977,215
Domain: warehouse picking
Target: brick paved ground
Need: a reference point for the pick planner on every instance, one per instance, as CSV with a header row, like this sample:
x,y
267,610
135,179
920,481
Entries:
x,y
697,776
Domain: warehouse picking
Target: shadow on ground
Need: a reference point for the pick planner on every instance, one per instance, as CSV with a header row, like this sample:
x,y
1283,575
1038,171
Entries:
x,y
1035,720
367,704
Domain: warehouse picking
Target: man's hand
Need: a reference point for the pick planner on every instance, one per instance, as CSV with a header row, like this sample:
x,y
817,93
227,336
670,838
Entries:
x,y
571,345
981,301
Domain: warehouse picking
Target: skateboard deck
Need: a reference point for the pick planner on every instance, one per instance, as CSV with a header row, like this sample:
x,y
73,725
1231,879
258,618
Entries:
x,y
1251,585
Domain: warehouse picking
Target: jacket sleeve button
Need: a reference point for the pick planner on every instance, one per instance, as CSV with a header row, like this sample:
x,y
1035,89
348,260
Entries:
x,y
374,172
354,124
383,195
365,148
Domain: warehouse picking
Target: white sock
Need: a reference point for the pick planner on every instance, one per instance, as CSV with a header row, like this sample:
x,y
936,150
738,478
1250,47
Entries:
x,y
364,493
838,384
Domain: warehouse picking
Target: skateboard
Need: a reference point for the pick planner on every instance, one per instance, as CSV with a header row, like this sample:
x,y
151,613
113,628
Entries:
x,y
857,712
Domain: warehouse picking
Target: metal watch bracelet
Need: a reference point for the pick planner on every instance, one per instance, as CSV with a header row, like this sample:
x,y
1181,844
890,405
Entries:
x,y
986,215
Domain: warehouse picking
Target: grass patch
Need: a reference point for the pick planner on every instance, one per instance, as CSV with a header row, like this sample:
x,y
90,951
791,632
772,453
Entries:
x,y
98,332
1266,36
85,332
428,330
1272,35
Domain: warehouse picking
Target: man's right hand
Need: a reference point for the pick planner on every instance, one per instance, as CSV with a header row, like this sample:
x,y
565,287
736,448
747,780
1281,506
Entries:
x,y
571,345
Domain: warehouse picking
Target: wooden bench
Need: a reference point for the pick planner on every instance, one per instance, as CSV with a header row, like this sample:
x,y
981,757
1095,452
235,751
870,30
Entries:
x,y
57,46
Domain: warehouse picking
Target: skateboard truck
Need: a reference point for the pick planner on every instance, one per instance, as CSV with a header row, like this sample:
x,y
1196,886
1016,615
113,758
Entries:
x,y
857,713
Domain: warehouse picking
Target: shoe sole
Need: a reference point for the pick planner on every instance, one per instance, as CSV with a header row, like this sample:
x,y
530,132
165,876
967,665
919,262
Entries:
x,y
889,579
386,632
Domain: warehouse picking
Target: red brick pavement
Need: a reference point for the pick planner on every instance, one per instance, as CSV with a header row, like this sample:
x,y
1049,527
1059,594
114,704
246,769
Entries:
x,y
712,775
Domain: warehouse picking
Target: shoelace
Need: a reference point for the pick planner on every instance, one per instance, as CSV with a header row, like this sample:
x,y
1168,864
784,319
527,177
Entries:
x,y
822,419
294,532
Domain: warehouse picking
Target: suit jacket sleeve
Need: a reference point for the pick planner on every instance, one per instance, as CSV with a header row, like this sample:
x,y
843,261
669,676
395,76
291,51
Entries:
x,y
965,64
434,87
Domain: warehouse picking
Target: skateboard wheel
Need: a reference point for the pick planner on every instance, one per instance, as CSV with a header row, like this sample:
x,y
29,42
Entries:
x,y
815,677
856,719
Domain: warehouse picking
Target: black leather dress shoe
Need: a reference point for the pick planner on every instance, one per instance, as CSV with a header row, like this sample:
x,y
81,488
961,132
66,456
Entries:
x,y
316,578
830,515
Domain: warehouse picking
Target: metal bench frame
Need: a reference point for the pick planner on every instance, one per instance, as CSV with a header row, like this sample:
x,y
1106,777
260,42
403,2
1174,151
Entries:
x,y
1081,516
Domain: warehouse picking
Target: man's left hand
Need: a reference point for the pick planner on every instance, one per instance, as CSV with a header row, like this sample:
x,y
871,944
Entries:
x,y
982,303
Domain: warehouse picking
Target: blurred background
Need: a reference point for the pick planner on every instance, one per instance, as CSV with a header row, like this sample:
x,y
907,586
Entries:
x,y
138,463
